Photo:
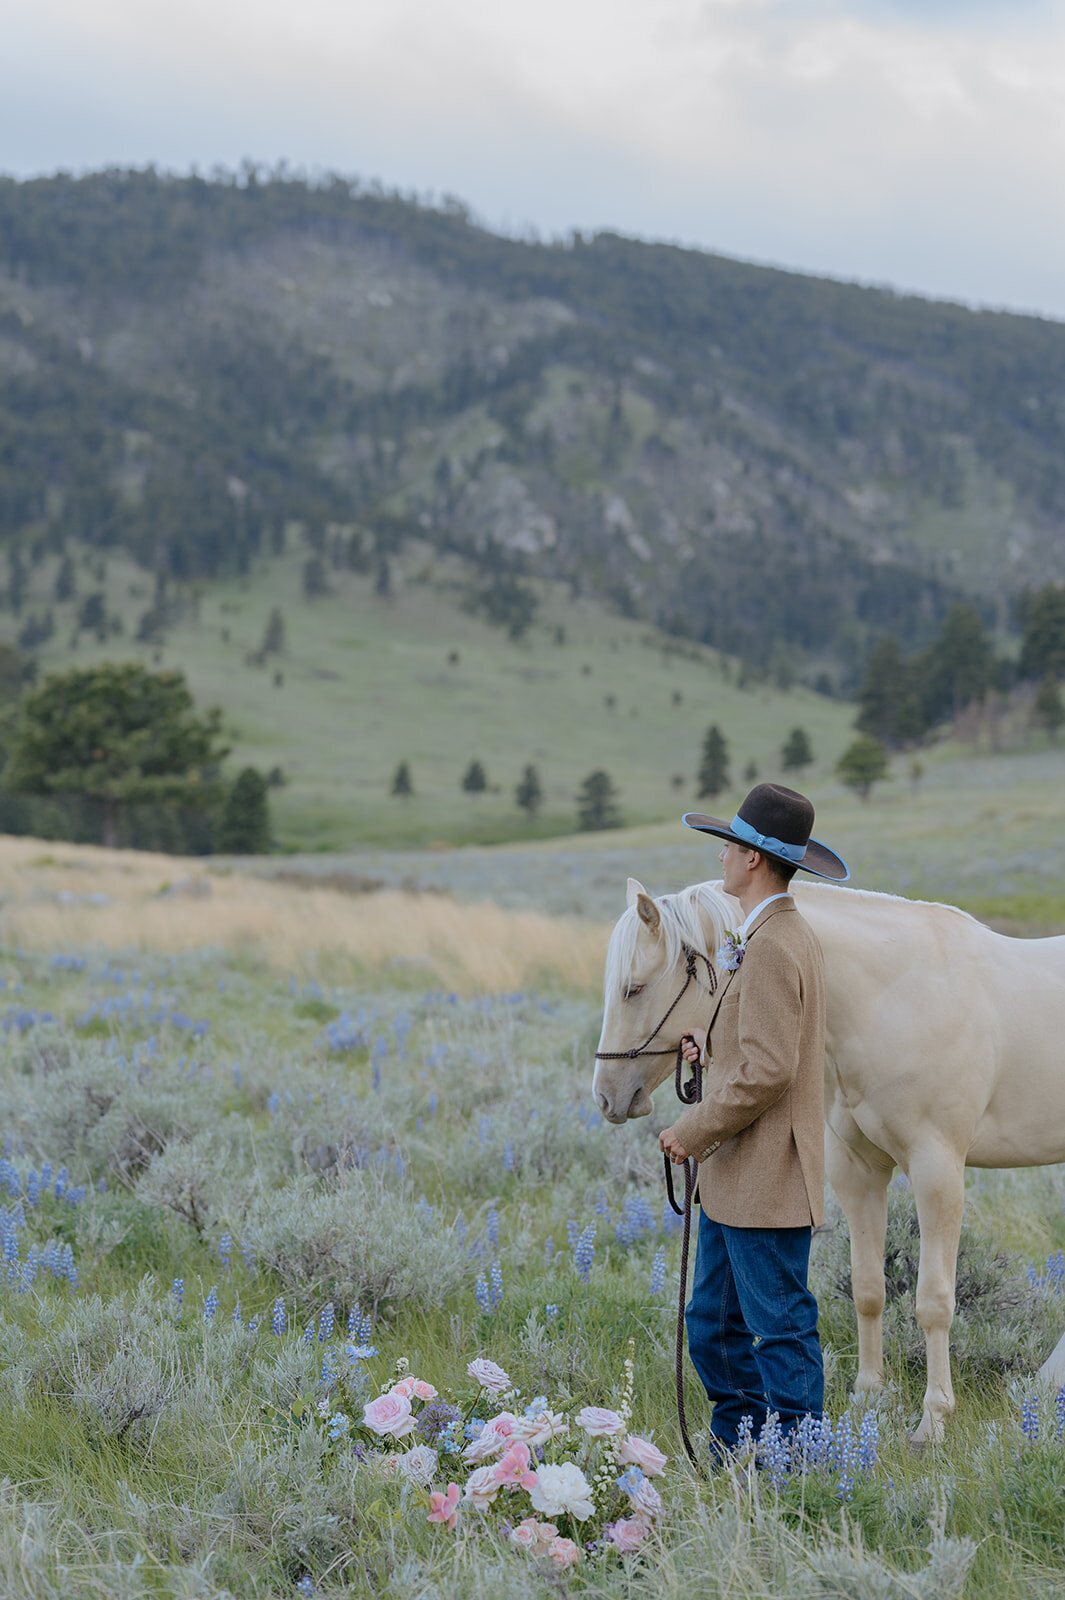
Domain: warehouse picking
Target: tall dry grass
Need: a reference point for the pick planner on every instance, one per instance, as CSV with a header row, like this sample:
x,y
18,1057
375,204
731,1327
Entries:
x,y
53,898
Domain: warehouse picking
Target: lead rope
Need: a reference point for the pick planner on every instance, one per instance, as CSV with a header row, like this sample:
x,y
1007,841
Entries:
x,y
690,1094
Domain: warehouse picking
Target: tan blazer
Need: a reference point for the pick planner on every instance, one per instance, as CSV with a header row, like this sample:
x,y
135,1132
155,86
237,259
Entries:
x,y
758,1132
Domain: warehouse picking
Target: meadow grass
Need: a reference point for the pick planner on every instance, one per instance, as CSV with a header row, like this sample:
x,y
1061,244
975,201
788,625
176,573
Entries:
x,y
380,1139
369,682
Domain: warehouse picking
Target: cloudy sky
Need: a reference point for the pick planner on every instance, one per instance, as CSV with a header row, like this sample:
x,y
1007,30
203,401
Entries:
x,y
914,142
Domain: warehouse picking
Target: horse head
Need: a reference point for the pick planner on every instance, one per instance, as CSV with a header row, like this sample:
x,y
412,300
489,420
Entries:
x,y
649,998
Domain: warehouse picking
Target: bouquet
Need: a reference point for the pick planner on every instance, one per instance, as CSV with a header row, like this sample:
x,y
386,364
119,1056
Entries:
x,y
560,1488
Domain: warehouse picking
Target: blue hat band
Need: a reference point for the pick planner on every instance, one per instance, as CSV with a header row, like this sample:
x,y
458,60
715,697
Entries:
x,y
762,841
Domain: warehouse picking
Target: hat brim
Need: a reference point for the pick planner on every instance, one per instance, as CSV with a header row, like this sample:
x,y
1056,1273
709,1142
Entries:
x,y
819,859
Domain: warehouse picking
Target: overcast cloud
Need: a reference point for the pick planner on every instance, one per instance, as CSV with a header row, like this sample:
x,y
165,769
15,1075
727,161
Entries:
x,y
915,142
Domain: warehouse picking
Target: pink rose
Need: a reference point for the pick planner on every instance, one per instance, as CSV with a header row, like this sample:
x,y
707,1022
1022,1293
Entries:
x,y
627,1535
563,1552
492,1439
488,1376
524,1535
389,1414
641,1453
599,1422
444,1507
414,1386
514,1468
647,1502
482,1487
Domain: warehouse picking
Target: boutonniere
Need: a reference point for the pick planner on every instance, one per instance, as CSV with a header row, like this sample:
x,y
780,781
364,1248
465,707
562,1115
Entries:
x,y
730,953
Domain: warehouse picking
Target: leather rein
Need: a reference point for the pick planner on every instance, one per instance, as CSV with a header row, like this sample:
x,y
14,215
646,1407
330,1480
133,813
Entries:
x,y
689,1094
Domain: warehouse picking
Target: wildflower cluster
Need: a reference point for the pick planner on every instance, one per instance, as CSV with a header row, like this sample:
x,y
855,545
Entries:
x,y
814,1445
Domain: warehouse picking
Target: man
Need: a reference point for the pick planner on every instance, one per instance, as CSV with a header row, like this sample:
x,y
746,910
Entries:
x,y
758,1132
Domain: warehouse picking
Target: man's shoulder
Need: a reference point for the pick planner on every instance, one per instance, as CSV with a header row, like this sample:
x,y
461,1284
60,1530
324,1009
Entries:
x,y
783,928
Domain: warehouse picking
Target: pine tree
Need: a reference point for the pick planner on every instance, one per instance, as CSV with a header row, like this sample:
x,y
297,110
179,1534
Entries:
x,y
474,780
245,828
1047,709
315,581
65,580
597,805
528,793
712,776
273,634
796,753
862,764
402,783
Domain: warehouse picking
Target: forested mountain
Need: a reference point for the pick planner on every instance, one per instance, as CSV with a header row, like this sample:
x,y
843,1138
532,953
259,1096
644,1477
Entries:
x,y
776,464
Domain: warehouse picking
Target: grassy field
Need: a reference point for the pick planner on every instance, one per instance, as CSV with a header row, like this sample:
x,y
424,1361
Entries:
x,y
369,682
274,1092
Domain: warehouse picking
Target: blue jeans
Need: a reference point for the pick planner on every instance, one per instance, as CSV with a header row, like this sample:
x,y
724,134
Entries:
x,y
752,1327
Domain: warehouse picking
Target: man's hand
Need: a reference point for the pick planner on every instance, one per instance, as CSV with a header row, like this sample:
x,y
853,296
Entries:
x,y
692,1045
671,1146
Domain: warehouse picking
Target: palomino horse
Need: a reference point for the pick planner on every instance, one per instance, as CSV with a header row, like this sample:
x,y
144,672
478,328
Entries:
x,y
943,1049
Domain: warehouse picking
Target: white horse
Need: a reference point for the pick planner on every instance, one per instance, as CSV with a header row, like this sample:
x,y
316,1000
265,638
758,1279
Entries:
x,y
943,1049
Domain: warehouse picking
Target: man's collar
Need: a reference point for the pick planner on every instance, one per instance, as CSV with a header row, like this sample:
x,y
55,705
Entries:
x,y
752,916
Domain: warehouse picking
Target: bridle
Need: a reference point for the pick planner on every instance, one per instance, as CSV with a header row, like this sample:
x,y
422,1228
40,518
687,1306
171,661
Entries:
x,y
689,1094
691,956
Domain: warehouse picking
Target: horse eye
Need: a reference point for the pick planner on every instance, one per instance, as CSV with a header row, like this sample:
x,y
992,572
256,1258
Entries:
x,y
633,990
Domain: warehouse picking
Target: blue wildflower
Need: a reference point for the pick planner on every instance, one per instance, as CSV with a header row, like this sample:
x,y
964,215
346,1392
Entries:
x,y
630,1480
177,1289
277,1319
551,1313
1030,1418
210,1305
658,1271
225,1248
325,1323
584,1254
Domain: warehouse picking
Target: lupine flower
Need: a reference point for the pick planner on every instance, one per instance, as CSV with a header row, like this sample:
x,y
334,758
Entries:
x,y
772,1451
305,1585
549,1248
325,1323
238,1316
551,1313
277,1318
210,1305
845,1446
177,1289
491,1226
225,1247
584,1254
658,1271
329,1374
495,1284
1030,1418
572,1233
868,1441
482,1294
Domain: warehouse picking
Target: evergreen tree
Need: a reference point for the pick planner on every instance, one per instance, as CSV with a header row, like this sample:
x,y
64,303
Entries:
x,y
66,582
273,634
119,735
712,775
16,580
402,783
597,805
889,701
1047,709
92,614
958,668
245,827
315,581
474,780
796,753
528,793
1042,616
862,764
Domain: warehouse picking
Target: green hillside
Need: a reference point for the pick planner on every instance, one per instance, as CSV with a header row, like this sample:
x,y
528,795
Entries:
x,y
368,682
186,366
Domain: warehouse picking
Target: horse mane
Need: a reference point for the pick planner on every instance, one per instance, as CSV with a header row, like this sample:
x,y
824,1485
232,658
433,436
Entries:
x,y
682,917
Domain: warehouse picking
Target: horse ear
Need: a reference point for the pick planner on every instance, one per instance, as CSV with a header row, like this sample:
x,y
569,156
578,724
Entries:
x,y
633,889
647,912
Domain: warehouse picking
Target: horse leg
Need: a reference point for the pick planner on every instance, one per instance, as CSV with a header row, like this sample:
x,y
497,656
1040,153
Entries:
x,y
937,1175
859,1173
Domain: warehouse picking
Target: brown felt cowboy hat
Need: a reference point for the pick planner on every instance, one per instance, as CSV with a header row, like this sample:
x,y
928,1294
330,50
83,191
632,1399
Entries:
x,y
776,821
